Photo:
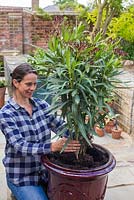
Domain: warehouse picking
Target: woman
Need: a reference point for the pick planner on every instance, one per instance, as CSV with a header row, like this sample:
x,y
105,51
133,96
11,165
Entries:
x,y
27,128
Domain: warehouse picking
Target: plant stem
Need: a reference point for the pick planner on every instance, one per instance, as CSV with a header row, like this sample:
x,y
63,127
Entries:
x,y
116,125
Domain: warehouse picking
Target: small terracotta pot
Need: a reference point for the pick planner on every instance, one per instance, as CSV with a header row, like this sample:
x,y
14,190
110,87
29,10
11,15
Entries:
x,y
99,131
116,133
109,126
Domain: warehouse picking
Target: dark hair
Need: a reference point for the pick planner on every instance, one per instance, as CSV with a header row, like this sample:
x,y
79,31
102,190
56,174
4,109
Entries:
x,y
20,71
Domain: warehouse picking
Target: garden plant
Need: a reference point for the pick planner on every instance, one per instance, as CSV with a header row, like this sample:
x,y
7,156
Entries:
x,y
79,74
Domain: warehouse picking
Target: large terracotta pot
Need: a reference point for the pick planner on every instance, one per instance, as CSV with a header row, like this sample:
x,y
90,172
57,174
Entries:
x,y
65,184
2,96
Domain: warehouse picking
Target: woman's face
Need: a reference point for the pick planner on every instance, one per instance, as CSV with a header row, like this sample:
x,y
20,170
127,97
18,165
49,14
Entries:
x,y
27,85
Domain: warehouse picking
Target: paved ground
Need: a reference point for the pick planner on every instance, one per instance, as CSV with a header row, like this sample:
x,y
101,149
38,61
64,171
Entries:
x,y
121,179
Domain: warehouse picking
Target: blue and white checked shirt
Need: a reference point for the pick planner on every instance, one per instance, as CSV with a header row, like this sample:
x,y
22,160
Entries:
x,y
27,139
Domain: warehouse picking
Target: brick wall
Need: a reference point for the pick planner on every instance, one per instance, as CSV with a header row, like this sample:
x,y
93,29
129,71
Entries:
x,y
37,31
22,30
11,36
43,29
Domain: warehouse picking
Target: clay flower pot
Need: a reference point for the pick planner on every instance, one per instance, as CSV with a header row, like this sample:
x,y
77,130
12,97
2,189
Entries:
x,y
116,133
99,131
109,126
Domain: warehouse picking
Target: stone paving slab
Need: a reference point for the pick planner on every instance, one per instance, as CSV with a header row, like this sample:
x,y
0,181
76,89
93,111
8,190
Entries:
x,y
120,193
1,157
3,188
121,179
122,149
121,176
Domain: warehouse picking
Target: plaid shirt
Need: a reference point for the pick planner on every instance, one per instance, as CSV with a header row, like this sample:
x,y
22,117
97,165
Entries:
x,y
27,139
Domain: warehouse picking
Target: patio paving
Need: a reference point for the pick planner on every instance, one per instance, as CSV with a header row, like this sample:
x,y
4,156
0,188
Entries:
x,y
121,179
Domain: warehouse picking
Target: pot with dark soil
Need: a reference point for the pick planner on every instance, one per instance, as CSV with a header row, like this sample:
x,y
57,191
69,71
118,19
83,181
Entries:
x,y
82,73
85,179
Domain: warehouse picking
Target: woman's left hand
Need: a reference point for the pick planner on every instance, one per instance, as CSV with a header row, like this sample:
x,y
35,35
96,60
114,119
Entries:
x,y
72,146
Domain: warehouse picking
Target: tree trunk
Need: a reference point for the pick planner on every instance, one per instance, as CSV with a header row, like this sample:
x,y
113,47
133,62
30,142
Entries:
x,y
99,18
35,4
107,22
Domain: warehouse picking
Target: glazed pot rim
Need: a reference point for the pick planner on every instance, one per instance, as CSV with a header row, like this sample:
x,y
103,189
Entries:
x,y
101,170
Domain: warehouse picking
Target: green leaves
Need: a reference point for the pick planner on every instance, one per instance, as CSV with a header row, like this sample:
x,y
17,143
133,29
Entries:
x,y
80,74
